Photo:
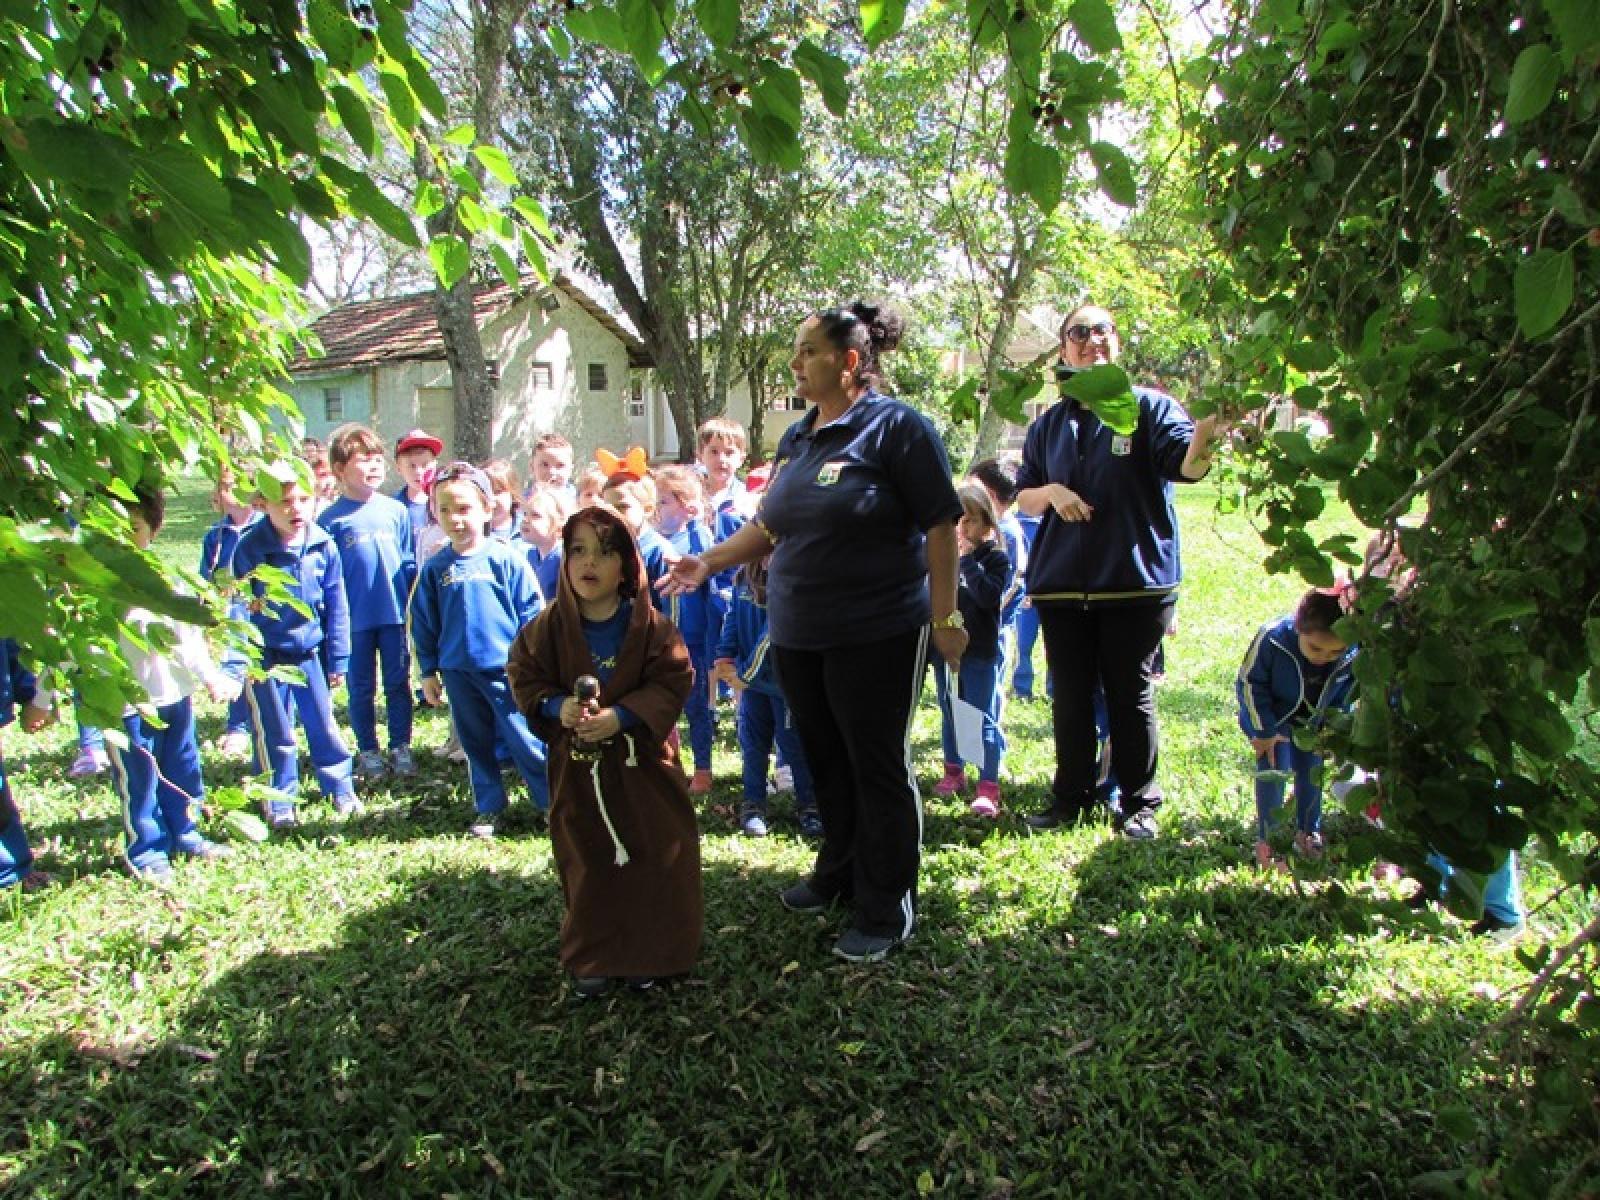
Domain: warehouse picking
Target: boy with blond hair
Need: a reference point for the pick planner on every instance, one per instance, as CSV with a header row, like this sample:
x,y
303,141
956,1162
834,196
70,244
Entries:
x,y
378,558
721,449
551,466
290,542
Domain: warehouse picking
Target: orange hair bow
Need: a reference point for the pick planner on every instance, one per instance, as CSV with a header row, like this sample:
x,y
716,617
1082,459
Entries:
x,y
633,464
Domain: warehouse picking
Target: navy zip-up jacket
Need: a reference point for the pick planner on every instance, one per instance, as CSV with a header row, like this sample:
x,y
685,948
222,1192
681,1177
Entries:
x,y
1128,549
744,642
985,573
1275,682
313,563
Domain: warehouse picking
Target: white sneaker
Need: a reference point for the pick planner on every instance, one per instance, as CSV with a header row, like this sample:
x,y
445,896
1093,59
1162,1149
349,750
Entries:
x,y
783,779
235,745
89,762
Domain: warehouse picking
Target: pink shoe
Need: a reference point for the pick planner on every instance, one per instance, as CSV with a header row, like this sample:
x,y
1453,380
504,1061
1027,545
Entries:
x,y
954,781
988,802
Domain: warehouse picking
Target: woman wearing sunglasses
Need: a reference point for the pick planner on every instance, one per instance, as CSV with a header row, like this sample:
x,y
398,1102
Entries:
x,y
1103,572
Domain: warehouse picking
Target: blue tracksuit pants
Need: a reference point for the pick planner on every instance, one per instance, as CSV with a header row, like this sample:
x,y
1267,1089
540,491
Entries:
x,y
16,858
157,778
1286,756
702,723
276,750
978,681
1502,892
763,721
385,643
483,710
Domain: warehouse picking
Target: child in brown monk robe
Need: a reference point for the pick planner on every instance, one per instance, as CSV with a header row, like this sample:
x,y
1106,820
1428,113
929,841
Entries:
x,y
623,829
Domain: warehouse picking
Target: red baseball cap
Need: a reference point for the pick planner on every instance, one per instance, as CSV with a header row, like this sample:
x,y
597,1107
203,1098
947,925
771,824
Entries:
x,y
419,439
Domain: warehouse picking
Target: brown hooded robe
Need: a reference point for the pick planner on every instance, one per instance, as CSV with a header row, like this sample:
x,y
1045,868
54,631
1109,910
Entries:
x,y
645,917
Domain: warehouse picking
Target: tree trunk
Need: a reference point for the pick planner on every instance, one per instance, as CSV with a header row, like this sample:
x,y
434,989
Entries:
x,y
1026,249
474,394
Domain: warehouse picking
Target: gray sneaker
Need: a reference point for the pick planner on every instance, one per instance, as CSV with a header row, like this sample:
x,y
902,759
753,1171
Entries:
x,y
370,765
857,947
803,898
401,762
347,805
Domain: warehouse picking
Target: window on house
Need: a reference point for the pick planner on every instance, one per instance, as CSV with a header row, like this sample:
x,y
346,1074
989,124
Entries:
x,y
787,403
332,404
597,377
636,400
542,377
491,368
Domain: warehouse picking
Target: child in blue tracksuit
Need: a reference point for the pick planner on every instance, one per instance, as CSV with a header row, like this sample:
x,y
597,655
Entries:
x,y
1296,669
680,500
157,776
216,554
742,662
471,600
999,479
378,558
291,542
18,686
985,576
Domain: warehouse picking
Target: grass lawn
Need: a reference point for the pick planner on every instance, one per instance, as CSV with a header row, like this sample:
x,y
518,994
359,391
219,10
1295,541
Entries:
x,y
375,1008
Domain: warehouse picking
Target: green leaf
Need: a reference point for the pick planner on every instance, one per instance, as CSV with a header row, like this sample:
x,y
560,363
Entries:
x,y
245,825
1096,24
534,253
430,199
155,29
188,189
1577,29
881,20
80,156
719,21
963,403
282,109
504,263
828,72
1311,356
1533,83
451,257
498,163
424,88
778,95
599,24
1114,173
532,212
770,140
363,197
397,91
641,25
560,43
1542,290
356,119
462,135
1107,392
332,29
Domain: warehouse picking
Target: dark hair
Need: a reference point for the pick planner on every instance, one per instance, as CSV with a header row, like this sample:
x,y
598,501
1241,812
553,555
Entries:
x,y
754,575
613,534
150,502
871,330
1000,477
1317,611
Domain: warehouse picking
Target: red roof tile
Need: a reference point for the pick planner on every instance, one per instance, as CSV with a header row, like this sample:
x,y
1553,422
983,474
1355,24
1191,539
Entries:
x,y
405,328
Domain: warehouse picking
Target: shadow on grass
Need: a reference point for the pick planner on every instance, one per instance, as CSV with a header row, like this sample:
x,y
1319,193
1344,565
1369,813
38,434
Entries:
x,y
1146,1023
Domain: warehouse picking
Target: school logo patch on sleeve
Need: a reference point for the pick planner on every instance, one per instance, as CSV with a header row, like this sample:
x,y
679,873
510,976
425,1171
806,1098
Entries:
x,y
828,475
1121,444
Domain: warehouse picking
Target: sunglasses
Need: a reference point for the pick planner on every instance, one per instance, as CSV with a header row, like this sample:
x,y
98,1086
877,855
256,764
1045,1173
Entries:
x,y
1082,333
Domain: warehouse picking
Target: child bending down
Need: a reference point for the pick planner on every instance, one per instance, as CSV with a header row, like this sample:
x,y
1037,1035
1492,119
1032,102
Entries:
x,y
1296,669
984,578
621,822
744,663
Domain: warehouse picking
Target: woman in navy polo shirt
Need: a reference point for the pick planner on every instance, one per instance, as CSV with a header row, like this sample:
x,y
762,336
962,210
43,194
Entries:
x,y
859,514
1103,571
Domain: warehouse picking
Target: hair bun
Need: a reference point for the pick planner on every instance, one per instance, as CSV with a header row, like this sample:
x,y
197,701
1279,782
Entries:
x,y
885,325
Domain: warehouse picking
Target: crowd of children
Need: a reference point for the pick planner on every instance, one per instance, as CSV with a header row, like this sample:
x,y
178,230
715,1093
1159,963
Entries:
x,y
532,614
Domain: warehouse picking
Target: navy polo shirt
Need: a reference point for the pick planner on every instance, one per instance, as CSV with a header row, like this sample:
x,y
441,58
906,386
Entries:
x,y
849,504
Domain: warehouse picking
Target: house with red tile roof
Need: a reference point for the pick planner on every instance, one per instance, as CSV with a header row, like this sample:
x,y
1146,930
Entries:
x,y
564,362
